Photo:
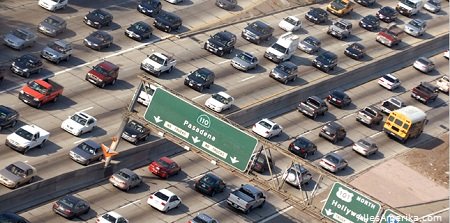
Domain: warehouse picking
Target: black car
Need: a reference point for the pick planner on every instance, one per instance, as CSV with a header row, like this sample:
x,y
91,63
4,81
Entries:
x,y
366,3
370,22
98,18
8,117
26,65
8,217
149,7
226,4
387,14
284,72
355,51
167,22
221,43
70,206
210,184
135,132
339,98
139,31
333,132
302,147
98,40
260,163
326,61
200,79
316,15
257,31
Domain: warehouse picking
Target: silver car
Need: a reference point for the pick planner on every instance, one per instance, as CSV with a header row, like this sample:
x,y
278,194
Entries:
x,y
333,162
365,147
424,64
244,61
433,6
16,174
296,172
125,179
86,152
20,38
52,26
203,218
309,45
416,27
57,51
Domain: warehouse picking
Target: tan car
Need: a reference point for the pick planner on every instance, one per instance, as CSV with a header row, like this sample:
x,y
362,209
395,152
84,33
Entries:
x,y
125,179
17,174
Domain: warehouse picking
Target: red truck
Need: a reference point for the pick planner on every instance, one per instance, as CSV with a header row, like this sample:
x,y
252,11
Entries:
x,y
39,92
390,36
425,92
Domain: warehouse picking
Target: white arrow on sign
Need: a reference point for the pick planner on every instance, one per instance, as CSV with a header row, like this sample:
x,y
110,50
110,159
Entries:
x,y
195,139
328,211
233,159
157,119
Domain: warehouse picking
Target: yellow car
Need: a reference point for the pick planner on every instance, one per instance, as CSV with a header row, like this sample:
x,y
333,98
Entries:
x,y
340,7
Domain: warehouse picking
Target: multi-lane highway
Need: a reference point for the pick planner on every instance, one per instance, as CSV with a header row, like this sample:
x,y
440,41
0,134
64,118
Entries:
x,y
249,89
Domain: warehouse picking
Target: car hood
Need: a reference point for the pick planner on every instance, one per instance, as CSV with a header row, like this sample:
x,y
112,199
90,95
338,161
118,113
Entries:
x,y
82,153
196,79
253,30
72,123
152,63
8,175
51,51
279,72
93,18
14,39
215,42
131,131
33,93
94,40
47,26
20,64
18,139
411,27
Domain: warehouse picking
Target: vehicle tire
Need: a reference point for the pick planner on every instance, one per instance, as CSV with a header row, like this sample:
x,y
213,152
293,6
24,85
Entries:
x,y
127,189
314,116
169,30
103,85
221,53
79,134
13,124
262,204
285,81
87,162
200,89
247,211
27,75
213,193
113,82
39,105
294,78
170,69
42,144
1,128
334,141
55,99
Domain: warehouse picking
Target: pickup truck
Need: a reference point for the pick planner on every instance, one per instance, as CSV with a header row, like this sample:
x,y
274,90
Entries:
x,y
158,63
26,138
369,116
39,92
390,36
424,94
391,104
246,198
313,106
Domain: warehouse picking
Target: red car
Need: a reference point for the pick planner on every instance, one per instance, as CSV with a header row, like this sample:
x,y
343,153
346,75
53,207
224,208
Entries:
x,y
103,73
164,167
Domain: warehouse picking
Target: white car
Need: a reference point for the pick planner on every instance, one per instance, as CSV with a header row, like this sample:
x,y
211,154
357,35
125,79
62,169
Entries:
x,y
79,123
164,200
53,5
219,102
267,128
389,81
296,172
443,84
145,96
424,65
174,1
446,54
290,24
111,217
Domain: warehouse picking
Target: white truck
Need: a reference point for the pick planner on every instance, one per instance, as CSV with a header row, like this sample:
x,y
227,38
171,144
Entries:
x,y
283,49
145,96
246,198
26,138
409,7
158,63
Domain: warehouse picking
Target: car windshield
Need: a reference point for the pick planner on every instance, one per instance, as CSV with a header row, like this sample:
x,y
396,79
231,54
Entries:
x,y
51,21
163,163
357,47
109,218
157,59
290,20
150,2
284,68
326,58
312,41
123,175
19,34
99,36
423,61
26,58
24,134
138,127
87,148
37,87
340,25
56,47
99,14
279,48
332,158
139,26
200,75
208,180
220,37
390,79
408,3
161,196
79,119
221,98
338,94
199,220
301,142
245,57
265,124
101,70
168,17
337,5
387,10
16,170
67,202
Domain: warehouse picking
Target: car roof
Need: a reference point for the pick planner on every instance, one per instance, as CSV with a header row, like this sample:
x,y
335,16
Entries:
x,y
226,33
166,192
72,198
329,54
204,217
261,24
56,18
391,76
61,42
114,214
251,188
107,65
293,18
211,175
288,64
84,115
23,165
316,98
334,125
91,143
333,154
167,160
270,122
127,171
223,94
6,109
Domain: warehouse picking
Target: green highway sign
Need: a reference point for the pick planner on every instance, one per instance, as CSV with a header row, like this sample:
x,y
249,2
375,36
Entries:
x,y
390,216
345,205
200,129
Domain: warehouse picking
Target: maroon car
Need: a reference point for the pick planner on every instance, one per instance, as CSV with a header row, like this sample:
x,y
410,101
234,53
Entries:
x,y
103,73
164,167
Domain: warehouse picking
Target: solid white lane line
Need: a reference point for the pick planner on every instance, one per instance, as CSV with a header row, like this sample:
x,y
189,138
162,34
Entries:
x,y
86,109
80,141
222,62
129,204
248,78
276,214
194,98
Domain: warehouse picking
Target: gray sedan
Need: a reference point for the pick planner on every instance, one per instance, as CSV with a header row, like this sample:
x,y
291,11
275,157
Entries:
x,y
52,26
125,179
244,61
16,174
20,38
309,45
86,152
365,147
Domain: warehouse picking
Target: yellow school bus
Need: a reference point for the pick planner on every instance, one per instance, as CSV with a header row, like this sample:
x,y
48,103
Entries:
x,y
405,123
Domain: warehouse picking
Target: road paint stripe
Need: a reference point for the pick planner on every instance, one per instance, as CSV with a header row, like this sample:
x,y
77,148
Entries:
x,y
26,161
248,78
92,61
276,214
80,141
434,213
224,62
194,98
86,109
323,200
129,204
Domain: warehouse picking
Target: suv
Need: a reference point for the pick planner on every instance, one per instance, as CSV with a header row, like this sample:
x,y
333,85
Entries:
x,y
326,61
149,7
221,43
257,31
103,73
26,65
284,72
200,79
340,29
333,132
98,18
167,22
57,51
8,117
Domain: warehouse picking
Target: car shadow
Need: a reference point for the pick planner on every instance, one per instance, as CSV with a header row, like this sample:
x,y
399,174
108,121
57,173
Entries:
x,y
85,217
349,107
322,119
48,148
182,29
113,48
365,58
119,85
66,10
113,26
68,33
215,88
424,15
352,16
237,8
345,172
141,188
300,61
63,102
180,209
185,3
425,36
399,89
96,132
376,156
